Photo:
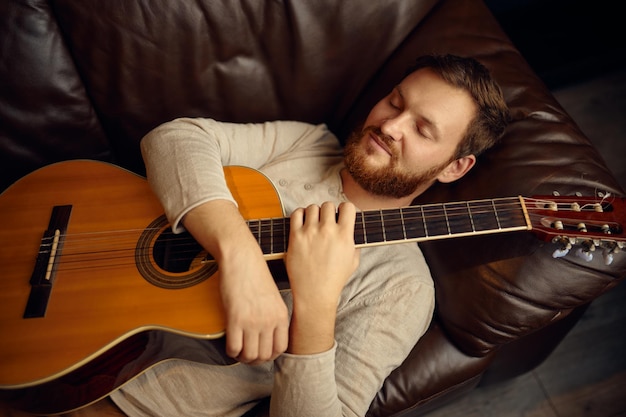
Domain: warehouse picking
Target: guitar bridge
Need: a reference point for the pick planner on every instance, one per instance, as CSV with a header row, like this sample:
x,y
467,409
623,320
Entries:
x,y
42,279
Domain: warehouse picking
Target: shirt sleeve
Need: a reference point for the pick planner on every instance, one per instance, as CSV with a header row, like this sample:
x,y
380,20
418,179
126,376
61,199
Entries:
x,y
185,157
377,326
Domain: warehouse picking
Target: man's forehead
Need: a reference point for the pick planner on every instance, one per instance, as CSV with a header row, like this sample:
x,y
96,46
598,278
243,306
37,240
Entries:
x,y
434,101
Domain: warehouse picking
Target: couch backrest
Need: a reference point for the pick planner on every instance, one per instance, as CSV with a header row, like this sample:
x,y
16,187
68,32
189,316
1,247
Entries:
x,y
142,63
46,114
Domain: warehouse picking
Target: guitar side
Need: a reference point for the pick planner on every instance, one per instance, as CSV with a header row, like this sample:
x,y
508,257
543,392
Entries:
x,y
104,323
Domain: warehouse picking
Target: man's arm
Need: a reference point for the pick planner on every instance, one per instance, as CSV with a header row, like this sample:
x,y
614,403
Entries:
x,y
184,161
320,259
185,157
373,335
257,318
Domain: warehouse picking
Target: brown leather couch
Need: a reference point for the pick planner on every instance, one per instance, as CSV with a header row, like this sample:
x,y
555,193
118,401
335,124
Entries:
x,y
88,78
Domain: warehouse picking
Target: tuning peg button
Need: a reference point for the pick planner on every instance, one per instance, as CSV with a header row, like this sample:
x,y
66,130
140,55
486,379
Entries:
x,y
584,254
561,252
610,248
564,246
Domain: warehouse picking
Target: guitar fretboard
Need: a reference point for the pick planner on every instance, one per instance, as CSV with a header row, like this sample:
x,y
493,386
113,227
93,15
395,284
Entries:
x,y
411,224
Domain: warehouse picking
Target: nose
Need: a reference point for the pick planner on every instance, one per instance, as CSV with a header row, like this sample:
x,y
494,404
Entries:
x,y
394,126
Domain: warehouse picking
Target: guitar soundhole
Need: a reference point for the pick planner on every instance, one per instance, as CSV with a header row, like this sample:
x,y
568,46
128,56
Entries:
x,y
175,253
171,260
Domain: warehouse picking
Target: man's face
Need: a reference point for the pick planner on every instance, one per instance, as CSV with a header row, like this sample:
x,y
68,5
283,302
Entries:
x,y
410,136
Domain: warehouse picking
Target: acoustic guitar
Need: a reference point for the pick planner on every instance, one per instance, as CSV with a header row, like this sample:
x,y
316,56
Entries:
x,y
96,288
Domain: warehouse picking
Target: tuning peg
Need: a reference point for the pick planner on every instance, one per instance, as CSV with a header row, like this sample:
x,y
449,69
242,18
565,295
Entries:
x,y
610,248
608,257
565,246
559,253
584,253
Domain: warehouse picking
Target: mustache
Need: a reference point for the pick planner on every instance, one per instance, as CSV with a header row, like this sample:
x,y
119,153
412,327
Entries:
x,y
386,139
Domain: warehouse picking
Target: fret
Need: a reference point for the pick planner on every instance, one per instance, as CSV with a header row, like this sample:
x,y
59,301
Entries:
x,y
424,221
435,218
373,227
510,213
495,212
484,216
459,218
359,230
265,235
403,224
414,223
394,226
469,212
271,249
279,238
382,225
363,228
285,236
445,216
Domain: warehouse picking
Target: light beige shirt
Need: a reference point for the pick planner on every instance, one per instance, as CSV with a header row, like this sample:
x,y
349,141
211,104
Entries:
x,y
384,309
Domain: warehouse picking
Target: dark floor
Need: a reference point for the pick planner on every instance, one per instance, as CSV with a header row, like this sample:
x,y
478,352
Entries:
x,y
598,106
586,375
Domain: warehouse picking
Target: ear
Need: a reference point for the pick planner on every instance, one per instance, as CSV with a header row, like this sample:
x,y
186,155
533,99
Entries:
x,y
456,169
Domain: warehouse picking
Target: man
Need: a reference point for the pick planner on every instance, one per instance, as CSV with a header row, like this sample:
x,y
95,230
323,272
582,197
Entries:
x,y
351,316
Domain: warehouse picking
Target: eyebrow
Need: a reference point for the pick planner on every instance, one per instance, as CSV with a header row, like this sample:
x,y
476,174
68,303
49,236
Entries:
x,y
427,121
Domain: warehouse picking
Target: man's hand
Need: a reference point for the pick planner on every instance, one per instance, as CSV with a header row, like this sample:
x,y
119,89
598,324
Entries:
x,y
257,318
257,322
320,259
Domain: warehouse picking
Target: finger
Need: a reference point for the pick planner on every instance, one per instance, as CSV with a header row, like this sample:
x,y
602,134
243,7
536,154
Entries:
x,y
250,351
312,214
281,340
297,218
347,214
271,345
266,347
234,342
328,213
347,218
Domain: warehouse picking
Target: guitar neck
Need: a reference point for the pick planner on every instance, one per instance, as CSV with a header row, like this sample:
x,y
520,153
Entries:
x,y
411,224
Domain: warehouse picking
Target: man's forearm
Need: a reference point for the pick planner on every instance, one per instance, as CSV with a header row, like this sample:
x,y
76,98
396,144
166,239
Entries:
x,y
256,316
219,227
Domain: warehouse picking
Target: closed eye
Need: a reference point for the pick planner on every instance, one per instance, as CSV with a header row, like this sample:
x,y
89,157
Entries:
x,y
394,103
423,131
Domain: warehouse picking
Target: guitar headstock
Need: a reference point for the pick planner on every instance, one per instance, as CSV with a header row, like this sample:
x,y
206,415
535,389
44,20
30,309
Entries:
x,y
590,222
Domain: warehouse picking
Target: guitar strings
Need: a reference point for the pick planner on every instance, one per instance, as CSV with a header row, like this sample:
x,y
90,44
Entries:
x,y
424,213
117,248
408,215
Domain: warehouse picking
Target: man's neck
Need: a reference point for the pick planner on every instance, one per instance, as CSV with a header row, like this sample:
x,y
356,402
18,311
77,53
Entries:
x,y
365,200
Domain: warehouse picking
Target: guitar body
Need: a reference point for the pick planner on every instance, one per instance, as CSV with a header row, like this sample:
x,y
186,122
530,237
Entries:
x,y
112,310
